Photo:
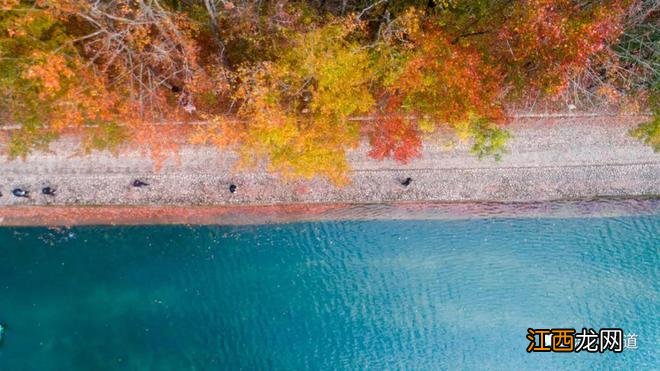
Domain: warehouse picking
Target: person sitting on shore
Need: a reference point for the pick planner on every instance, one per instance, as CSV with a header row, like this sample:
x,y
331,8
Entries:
x,y
19,192
232,188
48,191
138,183
406,182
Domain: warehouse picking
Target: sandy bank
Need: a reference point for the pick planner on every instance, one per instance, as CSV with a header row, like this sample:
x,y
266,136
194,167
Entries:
x,y
558,159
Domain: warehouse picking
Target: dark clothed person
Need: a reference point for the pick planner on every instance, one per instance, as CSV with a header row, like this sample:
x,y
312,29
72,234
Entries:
x,y
138,183
19,192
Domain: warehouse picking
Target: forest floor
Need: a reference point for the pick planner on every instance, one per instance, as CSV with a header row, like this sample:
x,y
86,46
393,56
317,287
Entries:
x,y
570,158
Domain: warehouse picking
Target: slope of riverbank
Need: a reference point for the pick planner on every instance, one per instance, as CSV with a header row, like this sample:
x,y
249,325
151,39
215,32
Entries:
x,y
558,159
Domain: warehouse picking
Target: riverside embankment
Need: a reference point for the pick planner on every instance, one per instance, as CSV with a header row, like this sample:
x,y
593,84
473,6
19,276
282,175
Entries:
x,y
549,159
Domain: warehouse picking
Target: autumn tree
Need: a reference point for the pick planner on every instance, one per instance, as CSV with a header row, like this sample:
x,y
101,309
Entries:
x,y
298,84
431,81
549,41
44,83
296,110
110,69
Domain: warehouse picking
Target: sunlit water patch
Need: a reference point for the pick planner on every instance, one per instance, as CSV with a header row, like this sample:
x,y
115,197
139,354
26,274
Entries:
x,y
404,294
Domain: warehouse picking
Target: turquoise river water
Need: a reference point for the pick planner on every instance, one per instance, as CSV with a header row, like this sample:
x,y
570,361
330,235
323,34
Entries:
x,y
406,294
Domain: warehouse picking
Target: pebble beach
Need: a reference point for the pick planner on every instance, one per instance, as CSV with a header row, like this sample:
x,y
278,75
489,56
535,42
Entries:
x,y
574,158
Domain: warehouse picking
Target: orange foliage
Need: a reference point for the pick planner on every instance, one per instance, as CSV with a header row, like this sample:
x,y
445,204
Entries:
x,y
395,137
281,81
7,5
548,41
48,70
448,82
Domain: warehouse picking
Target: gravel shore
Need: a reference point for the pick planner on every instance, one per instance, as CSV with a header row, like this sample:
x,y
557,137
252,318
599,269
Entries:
x,y
558,159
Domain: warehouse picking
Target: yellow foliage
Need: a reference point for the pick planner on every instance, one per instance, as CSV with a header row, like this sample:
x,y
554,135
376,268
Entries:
x,y
426,125
296,109
335,71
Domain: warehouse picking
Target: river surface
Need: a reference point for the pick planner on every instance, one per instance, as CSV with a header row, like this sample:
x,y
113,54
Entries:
x,y
406,294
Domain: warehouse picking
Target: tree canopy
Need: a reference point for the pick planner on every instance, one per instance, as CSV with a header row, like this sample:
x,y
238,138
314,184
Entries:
x,y
297,84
